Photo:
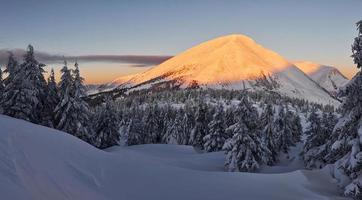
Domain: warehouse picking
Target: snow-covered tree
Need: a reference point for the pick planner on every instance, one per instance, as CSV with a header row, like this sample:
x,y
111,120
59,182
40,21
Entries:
x,y
328,121
345,141
174,131
52,100
106,126
151,119
283,131
72,112
64,110
10,88
268,134
134,133
200,129
25,90
10,68
294,123
243,150
216,137
2,86
314,126
344,144
314,149
81,106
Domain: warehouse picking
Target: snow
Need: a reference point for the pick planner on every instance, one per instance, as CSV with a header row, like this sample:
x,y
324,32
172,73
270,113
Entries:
x,y
41,163
330,78
228,62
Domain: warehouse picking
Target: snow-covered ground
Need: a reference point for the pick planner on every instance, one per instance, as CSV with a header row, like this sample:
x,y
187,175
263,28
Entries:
x,y
41,163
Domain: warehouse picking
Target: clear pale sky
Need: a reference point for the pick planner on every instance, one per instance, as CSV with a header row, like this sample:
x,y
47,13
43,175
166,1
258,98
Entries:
x,y
320,31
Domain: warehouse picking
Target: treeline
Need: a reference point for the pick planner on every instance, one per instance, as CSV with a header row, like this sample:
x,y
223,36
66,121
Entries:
x,y
250,137
25,94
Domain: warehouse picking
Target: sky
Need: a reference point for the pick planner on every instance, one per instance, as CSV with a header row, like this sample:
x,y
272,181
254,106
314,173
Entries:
x,y
320,31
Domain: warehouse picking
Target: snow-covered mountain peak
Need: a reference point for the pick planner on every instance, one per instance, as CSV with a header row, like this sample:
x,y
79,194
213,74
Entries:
x,y
328,77
229,62
225,59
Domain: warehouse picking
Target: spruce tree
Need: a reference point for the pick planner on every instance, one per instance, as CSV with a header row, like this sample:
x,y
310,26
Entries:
x,y
268,134
294,124
106,126
71,113
174,131
64,111
134,133
314,126
283,131
81,108
25,89
2,86
216,137
151,121
344,145
52,100
10,69
200,129
314,149
11,86
243,150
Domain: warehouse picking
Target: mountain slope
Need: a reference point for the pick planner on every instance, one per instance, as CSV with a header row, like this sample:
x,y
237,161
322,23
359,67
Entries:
x,y
328,77
231,62
42,163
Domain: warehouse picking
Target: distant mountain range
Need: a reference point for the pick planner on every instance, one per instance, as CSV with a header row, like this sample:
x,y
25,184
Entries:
x,y
236,62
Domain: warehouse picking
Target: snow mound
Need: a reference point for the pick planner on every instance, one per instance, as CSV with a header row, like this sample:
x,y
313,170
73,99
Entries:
x,y
330,78
231,62
41,163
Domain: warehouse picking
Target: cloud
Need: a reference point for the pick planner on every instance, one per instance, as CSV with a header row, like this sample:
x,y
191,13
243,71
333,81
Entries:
x,y
134,60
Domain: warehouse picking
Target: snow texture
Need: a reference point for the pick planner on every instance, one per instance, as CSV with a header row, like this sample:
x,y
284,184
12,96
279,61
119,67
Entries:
x,y
42,163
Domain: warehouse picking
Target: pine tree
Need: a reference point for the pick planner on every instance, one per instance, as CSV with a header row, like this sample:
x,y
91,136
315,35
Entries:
x,y
200,129
314,149
81,108
52,100
71,113
134,133
151,121
284,133
172,135
11,86
2,86
268,134
314,126
10,69
64,116
345,142
106,126
216,137
329,120
25,94
243,150
294,124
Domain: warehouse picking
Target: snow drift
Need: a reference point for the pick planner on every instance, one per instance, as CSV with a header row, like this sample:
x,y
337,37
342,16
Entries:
x,y
41,163
230,62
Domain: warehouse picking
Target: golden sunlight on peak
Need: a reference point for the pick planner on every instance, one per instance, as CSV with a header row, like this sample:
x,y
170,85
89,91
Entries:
x,y
307,66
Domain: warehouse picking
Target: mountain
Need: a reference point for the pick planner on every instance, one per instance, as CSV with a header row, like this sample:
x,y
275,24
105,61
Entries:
x,y
328,77
42,163
230,62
